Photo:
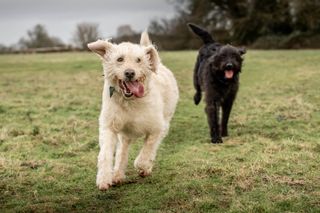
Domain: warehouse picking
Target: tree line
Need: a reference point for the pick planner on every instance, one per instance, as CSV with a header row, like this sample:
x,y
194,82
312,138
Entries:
x,y
39,40
254,23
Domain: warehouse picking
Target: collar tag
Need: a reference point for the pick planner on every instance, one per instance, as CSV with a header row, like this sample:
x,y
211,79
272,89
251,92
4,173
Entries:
x,y
111,91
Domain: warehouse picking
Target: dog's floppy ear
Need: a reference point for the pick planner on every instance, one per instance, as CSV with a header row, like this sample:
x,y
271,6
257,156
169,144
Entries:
x,y
242,50
145,40
152,57
101,47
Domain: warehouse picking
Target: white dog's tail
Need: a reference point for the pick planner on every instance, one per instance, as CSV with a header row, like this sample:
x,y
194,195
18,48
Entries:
x,y
145,40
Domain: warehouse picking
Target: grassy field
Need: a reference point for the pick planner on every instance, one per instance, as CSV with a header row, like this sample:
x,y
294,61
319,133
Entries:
x,y
49,107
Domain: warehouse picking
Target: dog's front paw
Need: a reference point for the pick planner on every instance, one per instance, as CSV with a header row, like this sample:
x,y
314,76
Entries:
x,y
104,185
216,140
104,181
144,168
197,98
118,178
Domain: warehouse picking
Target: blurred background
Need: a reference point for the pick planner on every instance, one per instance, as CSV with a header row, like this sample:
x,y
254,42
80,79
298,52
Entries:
x,y
57,25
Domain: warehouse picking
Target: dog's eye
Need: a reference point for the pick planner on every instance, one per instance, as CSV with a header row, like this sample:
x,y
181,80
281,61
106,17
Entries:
x,y
120,59
138,60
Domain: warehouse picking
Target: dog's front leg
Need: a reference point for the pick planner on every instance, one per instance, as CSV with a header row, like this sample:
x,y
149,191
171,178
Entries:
x,y
212,111
196,82
144,161
107,141
226,109
121,161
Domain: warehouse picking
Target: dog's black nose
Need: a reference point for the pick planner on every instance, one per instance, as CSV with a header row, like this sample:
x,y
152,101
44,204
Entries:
x,y
129,73
229,66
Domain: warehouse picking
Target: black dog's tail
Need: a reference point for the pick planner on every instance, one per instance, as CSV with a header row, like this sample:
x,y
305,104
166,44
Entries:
x,y
203,34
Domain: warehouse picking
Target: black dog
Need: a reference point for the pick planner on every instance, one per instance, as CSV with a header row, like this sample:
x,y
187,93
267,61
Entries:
x,y
217,74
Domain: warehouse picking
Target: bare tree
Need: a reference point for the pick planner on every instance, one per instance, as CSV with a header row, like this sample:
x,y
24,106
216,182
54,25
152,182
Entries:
x,y
85,32
125,30
38,37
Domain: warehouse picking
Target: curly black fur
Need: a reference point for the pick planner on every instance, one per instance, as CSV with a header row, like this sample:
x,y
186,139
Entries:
x,y
216,73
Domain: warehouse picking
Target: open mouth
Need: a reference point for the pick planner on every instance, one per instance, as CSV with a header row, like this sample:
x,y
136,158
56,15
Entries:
x,y
130,88
228,74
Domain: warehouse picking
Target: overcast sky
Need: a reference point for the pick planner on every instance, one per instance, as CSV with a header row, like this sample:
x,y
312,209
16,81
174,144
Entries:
x,y
61,16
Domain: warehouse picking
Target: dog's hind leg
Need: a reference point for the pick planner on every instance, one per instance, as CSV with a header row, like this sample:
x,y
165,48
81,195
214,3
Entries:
x,y
212,111
196,82
107,142
147,155
121,160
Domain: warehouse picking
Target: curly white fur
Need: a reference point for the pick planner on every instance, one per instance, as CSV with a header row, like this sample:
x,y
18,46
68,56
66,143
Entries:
x,y
123,120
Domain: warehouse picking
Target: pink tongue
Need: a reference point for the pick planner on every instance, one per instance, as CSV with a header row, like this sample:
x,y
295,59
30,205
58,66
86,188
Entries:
x,y
136,88
228,73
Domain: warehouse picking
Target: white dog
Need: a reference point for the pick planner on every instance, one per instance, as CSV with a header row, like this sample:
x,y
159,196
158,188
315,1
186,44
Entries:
x,y
139,99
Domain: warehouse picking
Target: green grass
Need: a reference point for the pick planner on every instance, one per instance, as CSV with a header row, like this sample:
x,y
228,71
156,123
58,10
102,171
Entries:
x,y
49,107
